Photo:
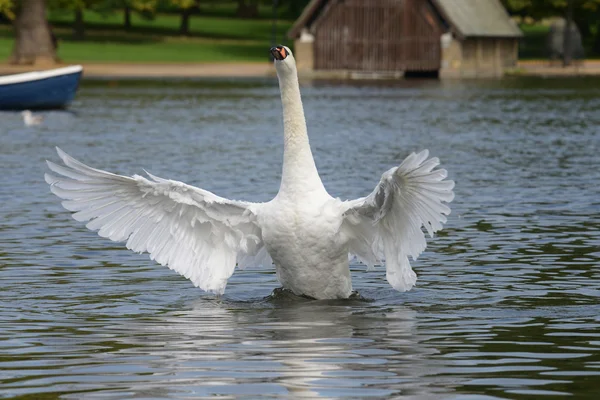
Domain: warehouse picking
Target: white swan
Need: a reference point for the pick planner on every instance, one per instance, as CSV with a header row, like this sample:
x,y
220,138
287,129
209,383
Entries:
x,y
304,231
30,120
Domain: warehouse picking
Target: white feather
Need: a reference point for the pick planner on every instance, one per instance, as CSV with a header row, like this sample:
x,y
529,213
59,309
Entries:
x,y
386,225
188,229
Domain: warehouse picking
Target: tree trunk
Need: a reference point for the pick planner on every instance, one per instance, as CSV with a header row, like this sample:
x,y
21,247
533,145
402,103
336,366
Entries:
x,y
78,26
184,28
596,48
127,17
33,38
245,10
240,8
567,47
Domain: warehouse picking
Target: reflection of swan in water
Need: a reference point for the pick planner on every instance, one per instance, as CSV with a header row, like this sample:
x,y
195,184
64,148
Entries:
x,y
304,349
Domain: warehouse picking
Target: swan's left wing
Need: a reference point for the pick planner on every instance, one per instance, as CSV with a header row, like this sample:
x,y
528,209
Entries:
x,y
192,231
386,225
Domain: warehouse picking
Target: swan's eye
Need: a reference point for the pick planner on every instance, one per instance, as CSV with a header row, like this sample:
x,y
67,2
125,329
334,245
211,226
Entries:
x,y
279,53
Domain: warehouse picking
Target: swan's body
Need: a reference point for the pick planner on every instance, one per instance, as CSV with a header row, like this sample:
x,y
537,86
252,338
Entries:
x,y
30,120
304,231
302,237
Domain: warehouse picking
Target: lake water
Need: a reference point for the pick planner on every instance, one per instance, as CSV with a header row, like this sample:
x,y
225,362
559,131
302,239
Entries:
x,y
507,305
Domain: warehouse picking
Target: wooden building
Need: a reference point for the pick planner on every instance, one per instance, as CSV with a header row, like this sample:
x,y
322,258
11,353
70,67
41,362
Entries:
x,y
447,37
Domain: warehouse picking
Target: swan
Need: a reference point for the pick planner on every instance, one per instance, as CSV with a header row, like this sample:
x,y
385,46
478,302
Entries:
x,y
30,120
306,233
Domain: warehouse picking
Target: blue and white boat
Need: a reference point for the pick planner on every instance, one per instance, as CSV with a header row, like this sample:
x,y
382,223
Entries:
x,y
40,90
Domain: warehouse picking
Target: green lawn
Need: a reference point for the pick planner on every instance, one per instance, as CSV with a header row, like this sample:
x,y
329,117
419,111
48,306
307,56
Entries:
x,y
5,48
157,40
533,44
168,24
164,51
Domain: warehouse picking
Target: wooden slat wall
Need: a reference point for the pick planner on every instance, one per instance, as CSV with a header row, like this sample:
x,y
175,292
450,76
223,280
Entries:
x,y
378,35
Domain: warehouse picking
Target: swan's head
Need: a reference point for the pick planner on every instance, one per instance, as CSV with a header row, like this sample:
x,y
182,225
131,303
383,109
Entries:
x,y
26,113
284,60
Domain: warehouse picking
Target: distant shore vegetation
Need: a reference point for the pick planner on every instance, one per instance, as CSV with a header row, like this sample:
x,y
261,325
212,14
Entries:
x,y
216,30
156,30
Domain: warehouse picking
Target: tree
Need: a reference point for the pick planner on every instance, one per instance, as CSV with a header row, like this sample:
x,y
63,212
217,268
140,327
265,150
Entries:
x,y
77,7
294,7
585,13
567,45
78,25
146,7
7,9
187,7
247,9
33,38
127,17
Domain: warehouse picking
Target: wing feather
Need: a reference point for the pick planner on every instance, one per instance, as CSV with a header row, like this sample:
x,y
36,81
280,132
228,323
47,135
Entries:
x,y
192,231
386,226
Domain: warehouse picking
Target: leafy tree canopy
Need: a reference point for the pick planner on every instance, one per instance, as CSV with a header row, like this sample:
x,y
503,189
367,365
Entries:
x,y
538,9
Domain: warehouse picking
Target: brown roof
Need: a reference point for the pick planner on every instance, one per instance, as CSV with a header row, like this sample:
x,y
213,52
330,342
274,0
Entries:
x,y
306,18
468,18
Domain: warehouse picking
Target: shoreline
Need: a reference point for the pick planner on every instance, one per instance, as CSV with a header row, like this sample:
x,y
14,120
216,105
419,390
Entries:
x,y
554,69
156,70
524,68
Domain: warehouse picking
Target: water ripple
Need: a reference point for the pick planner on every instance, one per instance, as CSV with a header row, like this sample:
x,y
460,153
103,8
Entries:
x,y
507,302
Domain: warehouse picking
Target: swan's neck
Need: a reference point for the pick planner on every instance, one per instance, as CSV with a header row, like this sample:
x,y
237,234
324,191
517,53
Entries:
x,y
299,175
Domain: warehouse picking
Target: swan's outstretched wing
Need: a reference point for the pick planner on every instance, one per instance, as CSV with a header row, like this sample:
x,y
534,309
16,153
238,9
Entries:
x,y
190,230
386,225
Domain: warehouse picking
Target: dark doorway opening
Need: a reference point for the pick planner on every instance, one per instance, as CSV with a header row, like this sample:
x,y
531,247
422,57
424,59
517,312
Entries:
x,y
422,74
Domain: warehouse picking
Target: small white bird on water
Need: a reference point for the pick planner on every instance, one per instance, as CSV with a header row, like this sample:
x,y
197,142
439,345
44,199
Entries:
x,y
304,231
30,120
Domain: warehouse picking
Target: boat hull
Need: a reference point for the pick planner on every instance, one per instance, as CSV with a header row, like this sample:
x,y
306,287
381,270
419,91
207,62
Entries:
x,y
40,93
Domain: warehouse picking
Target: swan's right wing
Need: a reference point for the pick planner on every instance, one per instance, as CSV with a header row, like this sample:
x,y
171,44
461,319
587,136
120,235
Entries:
x,y
190,230
386,226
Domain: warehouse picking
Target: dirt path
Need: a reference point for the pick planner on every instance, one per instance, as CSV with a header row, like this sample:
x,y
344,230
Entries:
x,y
165,70
199,70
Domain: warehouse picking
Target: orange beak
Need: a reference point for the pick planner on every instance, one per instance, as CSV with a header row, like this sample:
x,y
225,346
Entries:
x,y
279,52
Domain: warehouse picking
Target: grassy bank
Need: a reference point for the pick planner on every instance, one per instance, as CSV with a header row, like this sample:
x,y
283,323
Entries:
x,y
533,44
212,38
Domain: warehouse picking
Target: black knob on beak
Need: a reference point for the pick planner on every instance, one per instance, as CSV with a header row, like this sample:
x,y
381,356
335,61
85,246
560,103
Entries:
x,y
279,53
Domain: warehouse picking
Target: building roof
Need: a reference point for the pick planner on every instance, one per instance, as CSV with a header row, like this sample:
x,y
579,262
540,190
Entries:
x,y
468,18
478,18
307,17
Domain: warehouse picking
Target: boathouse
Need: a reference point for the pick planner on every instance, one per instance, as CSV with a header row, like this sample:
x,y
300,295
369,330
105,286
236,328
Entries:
x,y
449,38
